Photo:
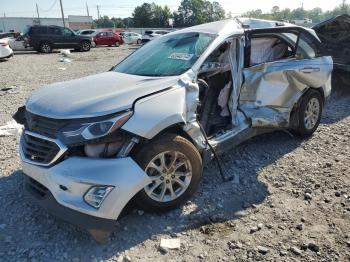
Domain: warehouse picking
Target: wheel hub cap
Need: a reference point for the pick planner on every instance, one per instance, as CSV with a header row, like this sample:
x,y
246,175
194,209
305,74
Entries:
x,y
171,174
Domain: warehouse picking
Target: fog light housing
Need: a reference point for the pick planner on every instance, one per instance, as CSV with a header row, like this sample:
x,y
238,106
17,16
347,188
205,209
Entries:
x,y
96,195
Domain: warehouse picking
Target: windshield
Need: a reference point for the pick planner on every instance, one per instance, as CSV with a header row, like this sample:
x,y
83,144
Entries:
x,y
166,56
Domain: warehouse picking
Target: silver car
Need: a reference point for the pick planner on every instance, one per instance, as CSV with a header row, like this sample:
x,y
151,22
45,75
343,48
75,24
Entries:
x,y
144,130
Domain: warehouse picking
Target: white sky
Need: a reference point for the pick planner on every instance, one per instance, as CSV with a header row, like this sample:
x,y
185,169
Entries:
x,y
124,8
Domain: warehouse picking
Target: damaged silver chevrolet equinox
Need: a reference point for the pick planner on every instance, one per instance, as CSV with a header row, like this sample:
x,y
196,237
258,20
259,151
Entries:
x,y
144,130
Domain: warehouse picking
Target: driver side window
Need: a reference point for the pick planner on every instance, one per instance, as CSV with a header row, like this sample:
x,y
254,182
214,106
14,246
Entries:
x,y
67,32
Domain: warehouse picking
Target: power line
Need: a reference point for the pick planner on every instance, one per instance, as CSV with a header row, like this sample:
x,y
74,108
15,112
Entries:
x,y
52,6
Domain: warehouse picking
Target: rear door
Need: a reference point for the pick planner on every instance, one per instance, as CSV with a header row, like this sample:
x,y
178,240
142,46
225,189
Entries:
x,y
110,38
280,65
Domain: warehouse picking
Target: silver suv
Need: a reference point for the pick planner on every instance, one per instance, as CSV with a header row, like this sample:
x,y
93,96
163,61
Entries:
x,y
144,130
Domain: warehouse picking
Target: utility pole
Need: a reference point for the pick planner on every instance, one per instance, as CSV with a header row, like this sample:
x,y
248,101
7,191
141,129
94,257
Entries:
x,y
3,23
87,9
37,11
98,12
64,25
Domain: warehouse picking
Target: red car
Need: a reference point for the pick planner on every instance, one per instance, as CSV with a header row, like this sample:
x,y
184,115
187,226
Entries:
x,y
107,38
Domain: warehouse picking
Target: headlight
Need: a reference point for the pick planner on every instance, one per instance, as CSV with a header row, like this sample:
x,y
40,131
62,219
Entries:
x,y
88,131
96,194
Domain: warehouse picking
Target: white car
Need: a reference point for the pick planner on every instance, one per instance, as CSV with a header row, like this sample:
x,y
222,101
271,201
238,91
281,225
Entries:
x,y
152,34
132,38
5,49
89,32
18,44
144,130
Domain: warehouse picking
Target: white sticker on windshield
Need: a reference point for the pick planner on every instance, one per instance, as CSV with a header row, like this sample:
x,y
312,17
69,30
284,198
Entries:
x,y
181,56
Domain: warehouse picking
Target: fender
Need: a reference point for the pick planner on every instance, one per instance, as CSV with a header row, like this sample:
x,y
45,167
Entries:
x,y
154,113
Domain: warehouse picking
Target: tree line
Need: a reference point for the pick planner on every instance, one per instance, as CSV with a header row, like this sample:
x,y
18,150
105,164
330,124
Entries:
x,y
194,12
315,14
189,13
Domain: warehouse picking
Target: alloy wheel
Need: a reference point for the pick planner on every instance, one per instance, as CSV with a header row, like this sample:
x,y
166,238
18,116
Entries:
x,y
312,113
171,174
86,46
45,48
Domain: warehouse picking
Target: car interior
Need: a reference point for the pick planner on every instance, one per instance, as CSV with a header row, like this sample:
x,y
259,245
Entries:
x,y
215,82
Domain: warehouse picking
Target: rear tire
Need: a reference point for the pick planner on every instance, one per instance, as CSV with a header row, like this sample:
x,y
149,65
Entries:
x,y
175,167
45,48
309,113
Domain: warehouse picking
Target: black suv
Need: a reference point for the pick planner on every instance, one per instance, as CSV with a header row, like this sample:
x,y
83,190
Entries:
x,y
46,38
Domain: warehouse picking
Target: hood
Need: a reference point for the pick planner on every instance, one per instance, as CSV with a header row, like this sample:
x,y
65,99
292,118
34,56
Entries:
x,y
95,95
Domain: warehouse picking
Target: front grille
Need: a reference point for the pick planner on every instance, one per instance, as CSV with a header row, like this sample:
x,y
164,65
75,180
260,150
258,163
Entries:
x,y
43,125
39,150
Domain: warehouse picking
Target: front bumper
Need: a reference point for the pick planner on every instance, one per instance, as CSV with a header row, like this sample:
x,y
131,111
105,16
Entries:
x,y
69,180
99,228
6,53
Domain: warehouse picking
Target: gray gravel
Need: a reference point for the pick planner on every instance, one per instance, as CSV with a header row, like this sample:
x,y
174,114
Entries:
x,y
291,203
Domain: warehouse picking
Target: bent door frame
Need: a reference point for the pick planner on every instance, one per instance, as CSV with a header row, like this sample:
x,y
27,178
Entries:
x,y
271,89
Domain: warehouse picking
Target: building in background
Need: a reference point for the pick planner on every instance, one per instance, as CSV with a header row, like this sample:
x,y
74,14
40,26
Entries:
x,y
18,24
80,22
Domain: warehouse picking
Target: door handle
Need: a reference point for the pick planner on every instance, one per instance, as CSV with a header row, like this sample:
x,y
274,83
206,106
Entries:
x,y
309,70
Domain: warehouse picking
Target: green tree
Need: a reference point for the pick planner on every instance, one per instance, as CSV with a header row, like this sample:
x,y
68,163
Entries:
x,y
195,12
104,22
218,12
254,13
143,16
128,22
161,15
118,22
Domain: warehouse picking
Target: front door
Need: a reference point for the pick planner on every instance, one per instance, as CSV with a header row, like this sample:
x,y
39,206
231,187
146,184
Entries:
x,y
70,38
280,65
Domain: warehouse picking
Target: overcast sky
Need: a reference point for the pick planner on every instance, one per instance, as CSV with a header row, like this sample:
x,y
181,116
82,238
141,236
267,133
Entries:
x,y
124,8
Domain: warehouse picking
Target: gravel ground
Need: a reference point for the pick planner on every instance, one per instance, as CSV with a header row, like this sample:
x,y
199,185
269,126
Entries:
x,y
292,202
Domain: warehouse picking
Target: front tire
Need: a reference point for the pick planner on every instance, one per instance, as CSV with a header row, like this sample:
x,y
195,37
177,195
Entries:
x,y
139,41
175,167
309,113
117,44
85,46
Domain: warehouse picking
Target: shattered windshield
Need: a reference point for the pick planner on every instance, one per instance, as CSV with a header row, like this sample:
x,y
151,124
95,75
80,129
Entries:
x,y
166,56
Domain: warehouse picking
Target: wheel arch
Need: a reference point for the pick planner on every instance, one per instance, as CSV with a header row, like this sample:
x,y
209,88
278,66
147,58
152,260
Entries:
x,y
176,129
